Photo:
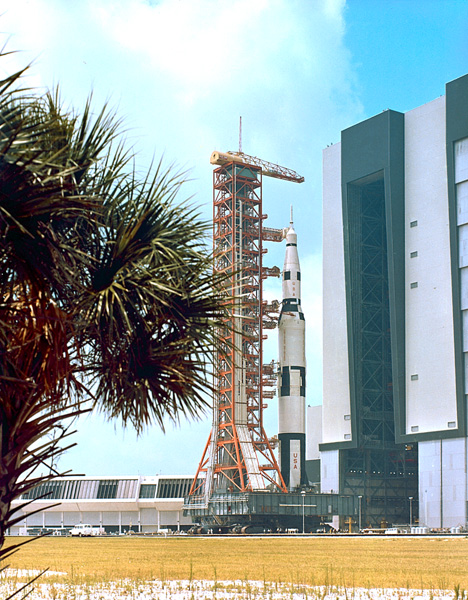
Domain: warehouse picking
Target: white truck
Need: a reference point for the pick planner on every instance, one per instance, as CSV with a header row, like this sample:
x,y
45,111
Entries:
x,y
85,530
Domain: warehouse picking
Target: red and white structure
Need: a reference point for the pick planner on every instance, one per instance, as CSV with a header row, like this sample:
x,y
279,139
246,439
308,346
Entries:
x,y
238,456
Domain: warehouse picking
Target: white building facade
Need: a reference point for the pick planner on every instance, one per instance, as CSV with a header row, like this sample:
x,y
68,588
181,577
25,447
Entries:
x,y
116,504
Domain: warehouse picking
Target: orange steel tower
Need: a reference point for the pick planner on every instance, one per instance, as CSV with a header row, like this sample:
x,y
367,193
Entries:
x,y
238,456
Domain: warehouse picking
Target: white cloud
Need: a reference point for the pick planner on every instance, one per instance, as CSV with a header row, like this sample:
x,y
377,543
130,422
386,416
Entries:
x,y
184,71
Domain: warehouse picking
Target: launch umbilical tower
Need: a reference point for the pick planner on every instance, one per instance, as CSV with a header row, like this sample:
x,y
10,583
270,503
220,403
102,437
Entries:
x,y
239,456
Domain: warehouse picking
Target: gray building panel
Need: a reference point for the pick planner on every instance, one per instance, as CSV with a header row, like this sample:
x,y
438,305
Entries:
x,y
372,150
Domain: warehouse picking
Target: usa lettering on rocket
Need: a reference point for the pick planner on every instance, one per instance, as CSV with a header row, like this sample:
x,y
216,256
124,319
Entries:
x,y
292,369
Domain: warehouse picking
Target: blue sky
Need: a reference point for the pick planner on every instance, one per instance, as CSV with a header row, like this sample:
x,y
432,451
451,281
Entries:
x,y
181,72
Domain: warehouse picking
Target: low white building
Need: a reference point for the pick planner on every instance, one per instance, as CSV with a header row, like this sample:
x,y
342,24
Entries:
x,y
117,504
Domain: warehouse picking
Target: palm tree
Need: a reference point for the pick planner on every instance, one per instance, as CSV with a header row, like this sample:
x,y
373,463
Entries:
x,y
107,297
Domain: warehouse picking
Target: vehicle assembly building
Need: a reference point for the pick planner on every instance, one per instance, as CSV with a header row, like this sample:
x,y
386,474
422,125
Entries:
x,y
395,301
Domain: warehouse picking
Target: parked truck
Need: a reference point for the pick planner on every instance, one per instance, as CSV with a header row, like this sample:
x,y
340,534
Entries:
x,y
85,530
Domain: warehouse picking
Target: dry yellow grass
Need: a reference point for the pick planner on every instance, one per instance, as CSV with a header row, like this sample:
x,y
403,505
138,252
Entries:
x,y
439,563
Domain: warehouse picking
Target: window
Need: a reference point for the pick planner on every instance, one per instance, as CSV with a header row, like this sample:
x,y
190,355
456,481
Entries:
x,y
414,254
414,428
147,490
347,436
414,285
451,424
173,488
287,275
414,377
107,488
413,224
50,490
347,417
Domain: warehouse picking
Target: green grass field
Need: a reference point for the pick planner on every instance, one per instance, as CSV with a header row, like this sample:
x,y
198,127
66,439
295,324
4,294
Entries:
x,y
424,563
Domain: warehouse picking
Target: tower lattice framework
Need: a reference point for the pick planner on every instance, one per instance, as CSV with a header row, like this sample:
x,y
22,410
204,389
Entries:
x,y
238,456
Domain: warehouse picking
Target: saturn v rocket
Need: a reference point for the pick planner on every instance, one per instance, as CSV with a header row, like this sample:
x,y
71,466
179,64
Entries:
x,y
292,370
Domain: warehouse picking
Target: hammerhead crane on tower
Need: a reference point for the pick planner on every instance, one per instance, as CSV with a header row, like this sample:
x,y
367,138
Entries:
x,y
269,169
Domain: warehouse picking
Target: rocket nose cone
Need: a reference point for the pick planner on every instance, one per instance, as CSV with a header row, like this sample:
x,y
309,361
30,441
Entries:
x,y
291,236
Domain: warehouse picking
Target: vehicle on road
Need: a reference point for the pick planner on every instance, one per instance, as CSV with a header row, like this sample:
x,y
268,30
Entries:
x,y
85,530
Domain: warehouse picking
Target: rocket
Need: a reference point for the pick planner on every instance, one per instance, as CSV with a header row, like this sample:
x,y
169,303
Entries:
x,y
292,370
